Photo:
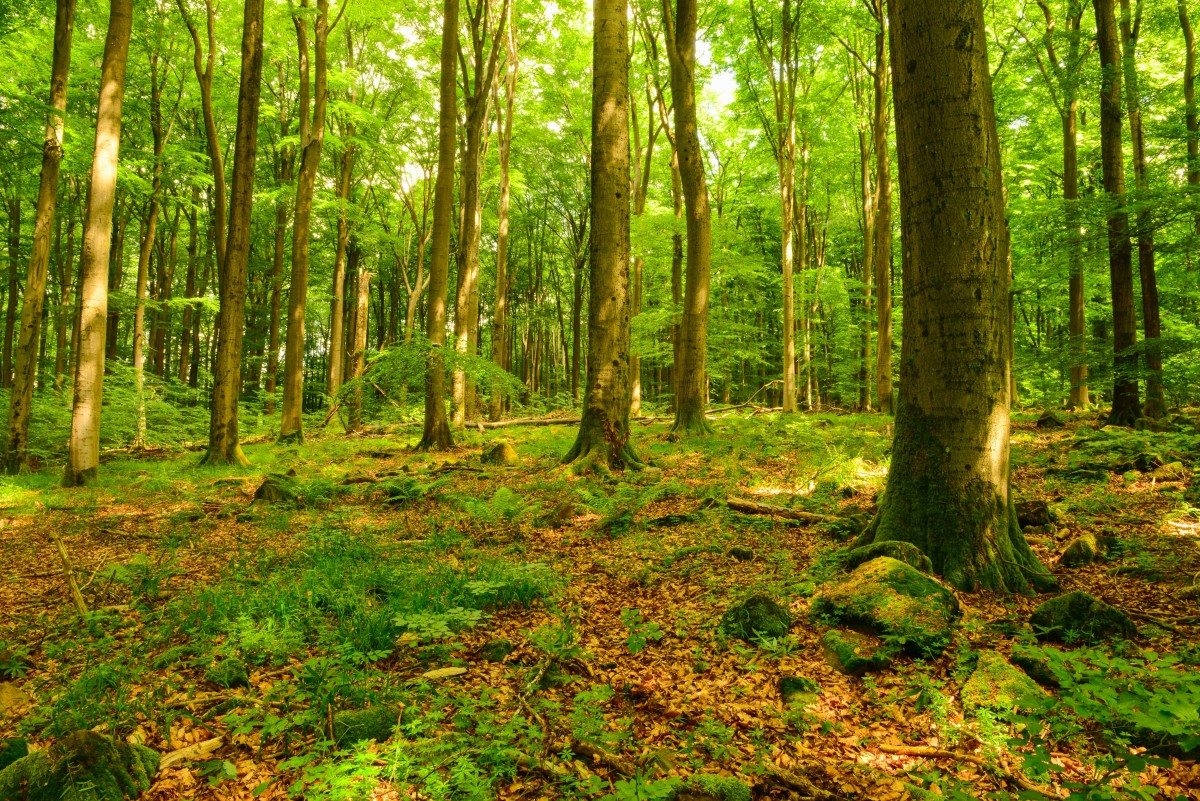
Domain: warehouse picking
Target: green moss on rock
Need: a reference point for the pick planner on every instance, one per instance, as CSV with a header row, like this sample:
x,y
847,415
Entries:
x,y
996,684
502,454
757,616
84,766
854,654
1080,617
12,750
231,672
893,599
791,686
711,787
1083,550
904,552
374,723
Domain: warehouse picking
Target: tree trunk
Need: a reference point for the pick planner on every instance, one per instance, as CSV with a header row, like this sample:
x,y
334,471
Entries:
x,y
223,444
500,333
693,330
436,434
1125,409
337,321
358,358
948,486
1191,115
83,454
14,290
190,316
602,443
883,221
25,372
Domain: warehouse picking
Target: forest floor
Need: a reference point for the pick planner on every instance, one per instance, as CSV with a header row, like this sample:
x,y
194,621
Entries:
x,y
579,618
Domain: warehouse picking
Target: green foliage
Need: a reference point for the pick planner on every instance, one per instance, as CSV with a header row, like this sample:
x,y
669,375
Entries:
x,y
641,631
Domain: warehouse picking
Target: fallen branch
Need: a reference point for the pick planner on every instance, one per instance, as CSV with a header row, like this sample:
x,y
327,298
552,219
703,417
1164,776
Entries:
x,y
796,782
528,421
749,507
609,760
69,571
189,753
941,753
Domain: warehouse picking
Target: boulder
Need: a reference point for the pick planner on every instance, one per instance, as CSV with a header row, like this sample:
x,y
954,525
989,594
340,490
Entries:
x,y
740,553
996,684
854,654
1172,471
1080,617
82,766
276,488
502,454
12,750
710,787
893,599
1033,513
231,672
1083,550
757,616
1050,420
374,723
904,552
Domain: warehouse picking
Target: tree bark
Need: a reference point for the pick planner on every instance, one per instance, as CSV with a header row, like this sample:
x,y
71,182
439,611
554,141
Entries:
x,y
337,321
883,219
948,486
223,443
25,373
83,454
13,295
500,333
1191,115
358,355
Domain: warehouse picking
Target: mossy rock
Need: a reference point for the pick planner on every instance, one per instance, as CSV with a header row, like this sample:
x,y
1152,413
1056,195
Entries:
x,y
1033,513
374,723
1172,471
711,787
496,650
854,654
1080,617
1037,667
791,686
231,672
740,553
276,488
1050,420
84,766
12,750
757,616
893,599
996,684
904,552
1083,550
502,454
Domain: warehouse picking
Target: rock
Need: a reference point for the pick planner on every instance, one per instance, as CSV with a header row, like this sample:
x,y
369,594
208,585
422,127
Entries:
x,y
110,769
1050,420
854,654
1036,667
375,723
740,553
1080,617
904,552
710,787
998,685
757,616
276,488
13,697
791,686
560,516
893,599
1083,550
229,672
502,454
496,650
12,750
1174,471
1033,513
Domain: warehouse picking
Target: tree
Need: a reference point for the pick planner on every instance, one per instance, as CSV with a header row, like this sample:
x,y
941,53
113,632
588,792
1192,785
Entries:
x,y
882,256
223,443
692,386
83,455
25,370
1191,117
948,486
504,112
603,439
436,435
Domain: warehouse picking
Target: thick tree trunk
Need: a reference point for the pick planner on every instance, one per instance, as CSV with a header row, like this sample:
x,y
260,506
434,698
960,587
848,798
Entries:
x,y
223,443
25,372
948,486
602,443
83,454
1125,408
436,434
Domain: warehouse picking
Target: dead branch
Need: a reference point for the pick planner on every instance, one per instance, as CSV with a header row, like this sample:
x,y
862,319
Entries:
x,y
797,783
749,507
189,753
69,572
940,753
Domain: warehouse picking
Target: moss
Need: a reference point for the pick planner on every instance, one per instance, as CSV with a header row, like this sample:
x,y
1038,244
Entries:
x,y
791,686
740,553
84,766
502,454
757,616
896,600
854,654
1083,550
901,551
996,684
496,650
711,787
12,750
374,723
231,672
1080,617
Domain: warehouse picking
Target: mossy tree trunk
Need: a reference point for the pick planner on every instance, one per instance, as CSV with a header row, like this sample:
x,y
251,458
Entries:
x,y
948,488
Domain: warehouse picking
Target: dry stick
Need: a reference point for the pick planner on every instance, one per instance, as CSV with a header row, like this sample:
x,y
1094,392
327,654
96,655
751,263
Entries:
x,y
754,508
940,753
794,781
602,757
189,753
69,571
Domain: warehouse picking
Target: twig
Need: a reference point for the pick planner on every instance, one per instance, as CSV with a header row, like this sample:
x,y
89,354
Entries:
x,y
69,571
189,753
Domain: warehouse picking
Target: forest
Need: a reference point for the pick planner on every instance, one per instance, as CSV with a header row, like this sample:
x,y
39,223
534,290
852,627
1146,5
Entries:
x,y
606,400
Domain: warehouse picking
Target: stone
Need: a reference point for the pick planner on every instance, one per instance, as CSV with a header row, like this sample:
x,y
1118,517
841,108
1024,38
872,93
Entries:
x,y
996,684
1080,617
110,769
711,787
502,454
1050,420
13,697
276,488
1173,471
374,723
11,750
854,654
791,686
228,673
757,616
740,553
1037,667
496,650
1083,550
893,599
1033,513
902,551
560,516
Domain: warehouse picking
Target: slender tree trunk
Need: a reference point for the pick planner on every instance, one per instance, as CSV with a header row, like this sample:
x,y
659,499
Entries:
x,y
1077,321
189,288
358,359
337,322
65,307
436,435
13,294
224,446
883,221
948,487
868,270
500,332
1191,115
1125,408
83,454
